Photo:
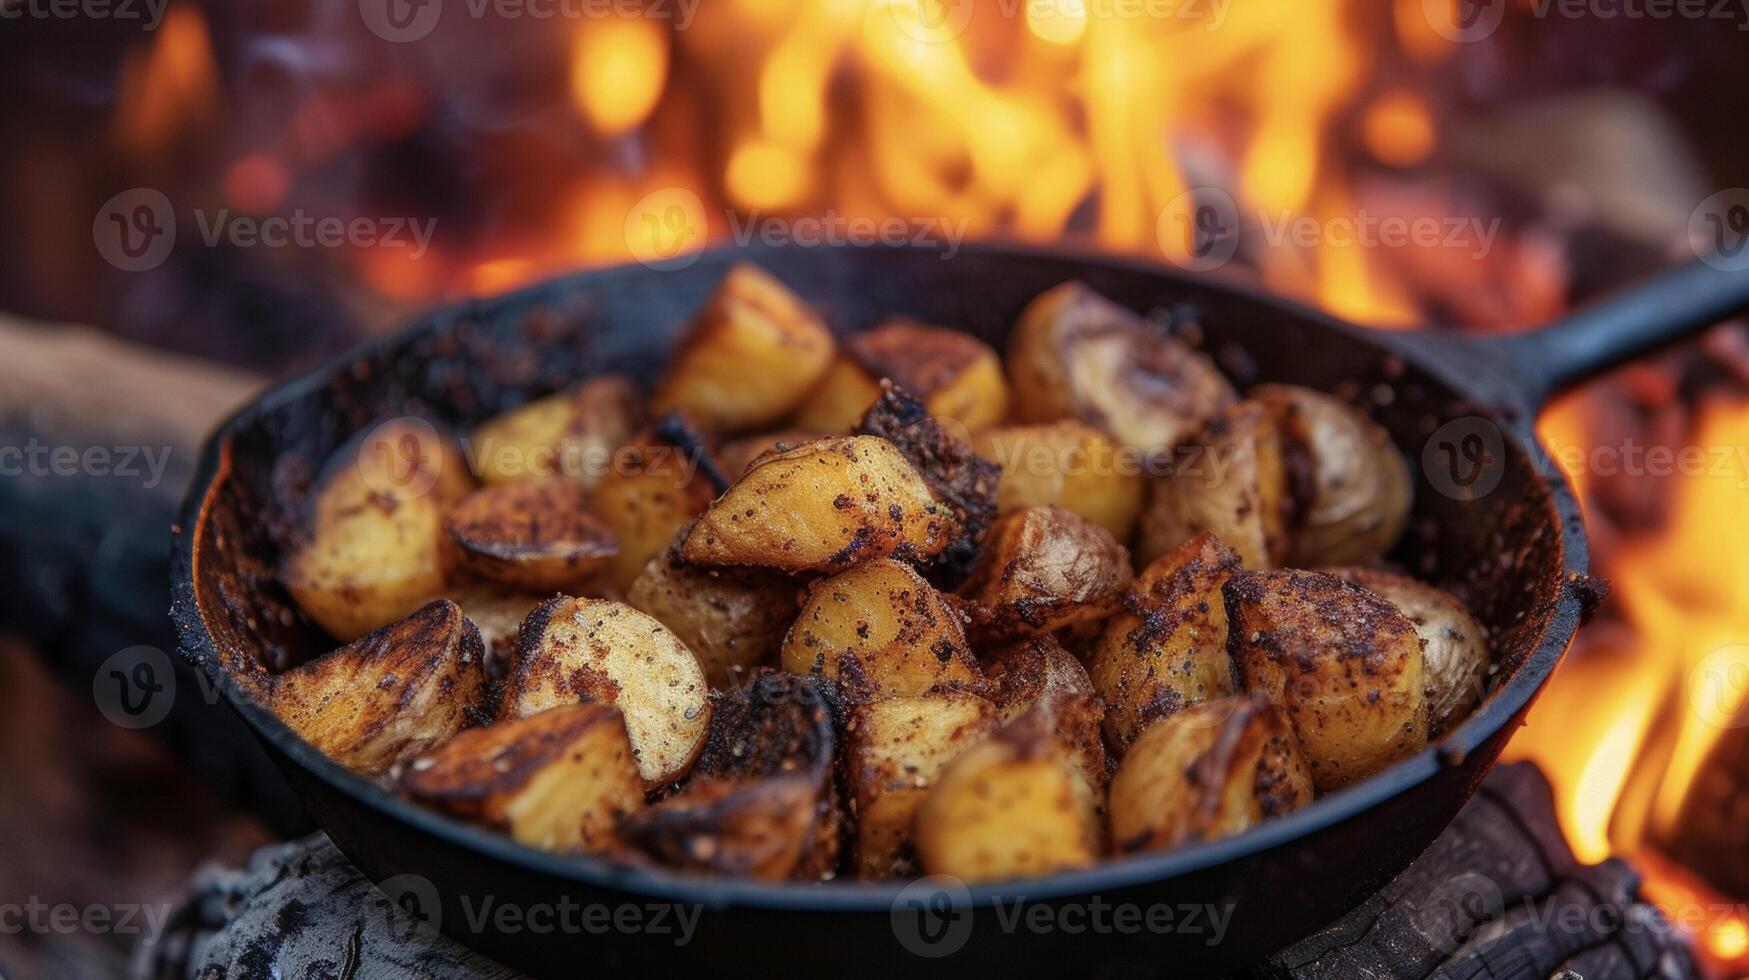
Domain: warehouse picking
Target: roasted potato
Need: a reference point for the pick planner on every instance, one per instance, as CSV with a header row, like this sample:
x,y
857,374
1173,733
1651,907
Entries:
x,y
1168,649
894,751
390,694
653,490
1455,657
749,358
738,455
571,434
1037,677
536,534
1343,664
1350,486
1076,354
762,801
1209,771
823,506
558,780
733,620
375,548
583,650
955,375
498,614
1044,569
1067,464
882,631
1229,481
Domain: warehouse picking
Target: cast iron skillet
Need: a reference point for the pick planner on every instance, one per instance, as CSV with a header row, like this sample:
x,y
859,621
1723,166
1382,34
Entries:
x,y
1494,520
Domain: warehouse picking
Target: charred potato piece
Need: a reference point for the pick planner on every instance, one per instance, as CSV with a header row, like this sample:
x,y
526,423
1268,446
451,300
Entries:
x,y
895,751
955,375
1343,665
1209,771
559,780
596,650
653,490
1351,486
1229,482
1067,464
823,507
733,620
536,534
1044,569
1076,354
1038,677
884,626
751,355
390,694
762,801
571,434
1455,656
498,614
1168,649
739,455
375,549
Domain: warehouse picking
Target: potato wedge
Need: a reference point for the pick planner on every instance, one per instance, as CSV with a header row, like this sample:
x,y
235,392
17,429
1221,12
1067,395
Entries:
x,y
1210,771
738,455
752,353
823,507
1343,664
955,375
651,493
536,534
894,751
1076,354
1168,649
1350,485
1068,464
1455,655
375,549
1228,481
559,780
571,434
584,650
1037,677
498,614
733,620
882,631
1044,569
390,694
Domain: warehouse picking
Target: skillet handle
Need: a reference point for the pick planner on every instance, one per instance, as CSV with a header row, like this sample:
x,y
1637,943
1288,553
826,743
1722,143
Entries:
x,y
1626,324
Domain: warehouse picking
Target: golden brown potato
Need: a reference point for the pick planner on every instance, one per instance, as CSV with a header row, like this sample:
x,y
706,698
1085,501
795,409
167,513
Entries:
x,y
955,375
895,750
1044,569
1229,481
884,626
1076,354
739,455
1455,657
1168,649
583,650
751,355
1037,677
375,548
498,614
652,491
733,620
1343,664
571,434
1350,485
390,694
1067,464
1209,771
535,534
558,780
823,506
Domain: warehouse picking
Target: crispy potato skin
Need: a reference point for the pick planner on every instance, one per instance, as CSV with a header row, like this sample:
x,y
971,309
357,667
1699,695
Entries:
x,y
882,631
1067,464
1230,483
733,620
1036,681
1209,771
1045,569
652,492
390,694
570,434
1168,648
954,374
536,534
1342,664
823,507
1456,655
596,650
498,615
559,780
751,355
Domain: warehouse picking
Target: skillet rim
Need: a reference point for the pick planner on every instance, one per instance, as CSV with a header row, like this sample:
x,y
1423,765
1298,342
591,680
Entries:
x,y
1427,351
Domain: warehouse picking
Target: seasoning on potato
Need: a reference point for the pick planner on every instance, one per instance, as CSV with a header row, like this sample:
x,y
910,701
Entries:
x,y
733,620
1068,464
1229,481
536,534
1455,653
955,375
1045,569
652,491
